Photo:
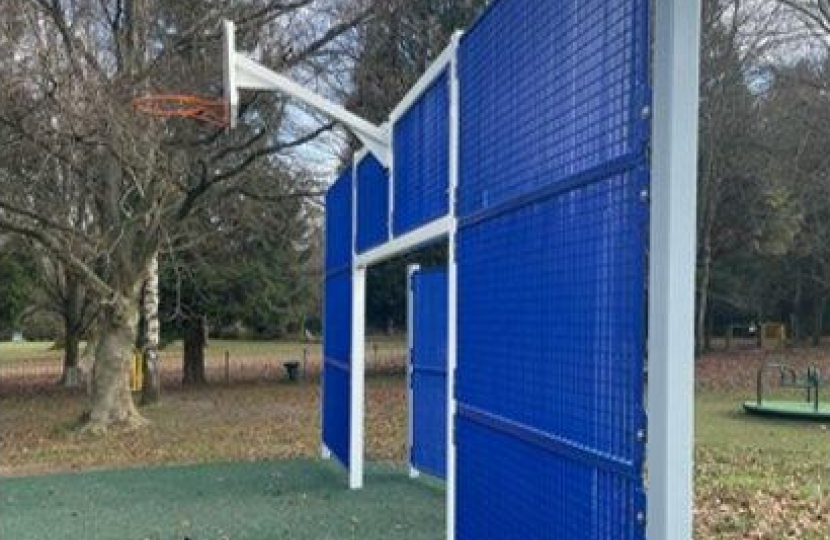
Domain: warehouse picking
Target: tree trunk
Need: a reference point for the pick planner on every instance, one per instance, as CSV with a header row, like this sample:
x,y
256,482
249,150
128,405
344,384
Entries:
x,y
71,356
193,369
151,389
112,402
795,318
71,334
710,328
818,321
87,359
703,291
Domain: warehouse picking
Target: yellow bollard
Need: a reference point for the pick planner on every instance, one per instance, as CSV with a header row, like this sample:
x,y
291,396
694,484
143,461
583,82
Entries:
x,y
137,372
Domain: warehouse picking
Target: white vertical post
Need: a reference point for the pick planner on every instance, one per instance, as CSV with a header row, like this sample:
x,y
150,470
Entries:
x,y
410,327
672,271
357,405
390,192
358,369
452,284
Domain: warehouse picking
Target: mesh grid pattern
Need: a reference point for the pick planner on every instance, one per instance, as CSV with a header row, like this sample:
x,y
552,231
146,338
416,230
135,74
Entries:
x,y
337,318
551,310
421,159
539,495
336,412
429,371
563,99
551,263
372,204
339,222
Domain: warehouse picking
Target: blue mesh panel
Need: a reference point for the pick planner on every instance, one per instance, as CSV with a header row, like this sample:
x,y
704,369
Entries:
x,y
337,364
337,318
372,204
551,314
429,371
336,412
549,90
551,347
339,222
551,260
539,495
421,160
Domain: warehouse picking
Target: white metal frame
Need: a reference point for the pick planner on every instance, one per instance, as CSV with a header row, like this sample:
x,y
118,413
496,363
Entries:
x,y
672,270
452,283
358,378
435,230
671,264
442,63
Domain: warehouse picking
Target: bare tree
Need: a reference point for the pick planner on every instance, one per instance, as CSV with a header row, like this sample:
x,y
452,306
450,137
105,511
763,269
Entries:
x,y
103,189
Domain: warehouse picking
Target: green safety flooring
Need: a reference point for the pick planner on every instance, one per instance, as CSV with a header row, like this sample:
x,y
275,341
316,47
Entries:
x,y
236,501
789,409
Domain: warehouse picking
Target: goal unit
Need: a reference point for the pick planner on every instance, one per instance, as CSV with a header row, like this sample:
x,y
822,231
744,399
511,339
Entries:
x,y
553,147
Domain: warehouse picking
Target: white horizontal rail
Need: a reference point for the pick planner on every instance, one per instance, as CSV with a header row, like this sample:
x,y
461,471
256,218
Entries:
x,y
435,230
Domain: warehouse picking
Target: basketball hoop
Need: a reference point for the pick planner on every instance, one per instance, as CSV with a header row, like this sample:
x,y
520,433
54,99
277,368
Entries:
x,y
212,111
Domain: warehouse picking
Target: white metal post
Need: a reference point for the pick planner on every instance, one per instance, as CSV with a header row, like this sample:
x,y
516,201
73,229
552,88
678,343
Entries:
x,y
672,271
410,335
358,372
390,187
229,71
357,405
452,283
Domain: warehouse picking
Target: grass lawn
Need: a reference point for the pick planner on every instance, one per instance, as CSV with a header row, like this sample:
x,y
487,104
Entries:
x,y
33,351
756,478
267,500
759,477
44,350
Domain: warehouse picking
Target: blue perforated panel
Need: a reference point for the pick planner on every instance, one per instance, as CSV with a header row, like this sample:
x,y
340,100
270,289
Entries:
x,y
339,223
372,204
337,318
421,160
428,378
551,256
551,91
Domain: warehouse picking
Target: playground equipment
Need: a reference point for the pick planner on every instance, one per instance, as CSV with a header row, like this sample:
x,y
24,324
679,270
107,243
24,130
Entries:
x,y
811,408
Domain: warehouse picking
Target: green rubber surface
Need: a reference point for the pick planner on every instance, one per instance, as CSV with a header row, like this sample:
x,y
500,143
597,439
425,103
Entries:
x,y
789,409
237,501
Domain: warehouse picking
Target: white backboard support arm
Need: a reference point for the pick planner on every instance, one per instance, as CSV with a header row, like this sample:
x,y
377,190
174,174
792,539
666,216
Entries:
x,y
243,73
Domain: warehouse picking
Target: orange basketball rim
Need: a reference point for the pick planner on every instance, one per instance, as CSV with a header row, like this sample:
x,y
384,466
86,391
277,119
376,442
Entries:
x,y
211,111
